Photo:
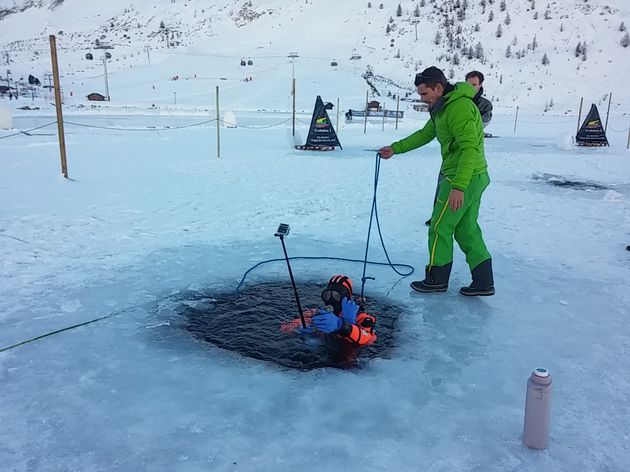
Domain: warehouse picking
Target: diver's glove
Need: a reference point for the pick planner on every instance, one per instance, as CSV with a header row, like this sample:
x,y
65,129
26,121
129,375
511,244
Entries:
x,y
349,310
327,322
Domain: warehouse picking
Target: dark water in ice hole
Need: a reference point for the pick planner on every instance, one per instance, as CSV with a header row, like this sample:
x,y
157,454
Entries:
x,y
248,323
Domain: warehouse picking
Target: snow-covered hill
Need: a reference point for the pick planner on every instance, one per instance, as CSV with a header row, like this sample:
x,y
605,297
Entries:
x,y
580,43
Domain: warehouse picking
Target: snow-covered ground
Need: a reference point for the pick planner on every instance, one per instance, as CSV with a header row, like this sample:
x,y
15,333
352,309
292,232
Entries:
x,y
146,215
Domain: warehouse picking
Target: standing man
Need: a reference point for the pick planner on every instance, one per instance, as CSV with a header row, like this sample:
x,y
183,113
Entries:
x,y
456,122
475,78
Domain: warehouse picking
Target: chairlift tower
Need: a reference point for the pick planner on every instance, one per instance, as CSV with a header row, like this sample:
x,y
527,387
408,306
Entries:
x,y
415,22
106,55
355,57
293,55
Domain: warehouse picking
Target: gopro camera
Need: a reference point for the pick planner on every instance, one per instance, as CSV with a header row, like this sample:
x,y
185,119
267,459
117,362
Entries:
x,y
283,230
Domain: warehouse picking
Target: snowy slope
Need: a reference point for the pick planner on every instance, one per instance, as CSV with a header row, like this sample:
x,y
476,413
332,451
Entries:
x,y
209,40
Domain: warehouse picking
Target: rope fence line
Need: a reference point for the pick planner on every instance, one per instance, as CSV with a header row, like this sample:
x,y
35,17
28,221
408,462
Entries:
x,y
28,131
230,124
625,130
254,127
169,128
140,129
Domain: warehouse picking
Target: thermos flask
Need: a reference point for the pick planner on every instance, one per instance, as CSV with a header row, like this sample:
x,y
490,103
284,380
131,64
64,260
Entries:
x,y
537,410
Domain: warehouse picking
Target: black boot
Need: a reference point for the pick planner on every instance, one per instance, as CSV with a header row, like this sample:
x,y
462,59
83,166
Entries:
x,y
435,280
482,281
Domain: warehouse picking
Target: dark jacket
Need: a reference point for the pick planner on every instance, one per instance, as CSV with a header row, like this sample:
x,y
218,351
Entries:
x,y
485,107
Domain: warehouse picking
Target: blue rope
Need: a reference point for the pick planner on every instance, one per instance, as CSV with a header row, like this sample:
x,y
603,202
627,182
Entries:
x,y
323,258
373,215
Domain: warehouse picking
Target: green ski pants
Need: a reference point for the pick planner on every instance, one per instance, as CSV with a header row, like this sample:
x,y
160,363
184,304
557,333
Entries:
x,y
461,224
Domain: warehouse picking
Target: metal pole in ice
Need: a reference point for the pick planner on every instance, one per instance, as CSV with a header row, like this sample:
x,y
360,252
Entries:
x,y
218,127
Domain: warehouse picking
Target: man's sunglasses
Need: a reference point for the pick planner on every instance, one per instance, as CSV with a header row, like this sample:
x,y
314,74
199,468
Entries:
x,y
420,78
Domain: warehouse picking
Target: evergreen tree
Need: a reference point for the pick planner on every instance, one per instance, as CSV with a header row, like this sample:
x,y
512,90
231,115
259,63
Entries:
x,y
622,27
534,43
508,51
547,14
499,32
399,10
438,38
502,5
625,41
477,28
545,59
561,27
456,59
422,3
508,20
490,16
578,49
388,29
416,12
536,16
380,7
479,52
369,5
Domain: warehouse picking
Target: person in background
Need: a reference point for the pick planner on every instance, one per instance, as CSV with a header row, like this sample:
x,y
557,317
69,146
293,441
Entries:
x,y
474,78
340,317
456,123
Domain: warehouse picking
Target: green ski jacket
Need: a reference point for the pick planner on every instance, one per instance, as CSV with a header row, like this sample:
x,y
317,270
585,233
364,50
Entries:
x,y
456,122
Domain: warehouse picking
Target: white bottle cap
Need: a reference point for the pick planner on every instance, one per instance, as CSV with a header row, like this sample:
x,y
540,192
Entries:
x,y
540,372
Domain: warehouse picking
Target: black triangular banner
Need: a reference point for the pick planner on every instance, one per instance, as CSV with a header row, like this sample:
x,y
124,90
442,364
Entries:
x,y
321,133
592,132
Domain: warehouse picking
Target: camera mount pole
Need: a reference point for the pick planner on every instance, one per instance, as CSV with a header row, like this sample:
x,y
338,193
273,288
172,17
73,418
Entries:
x,y
297,298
